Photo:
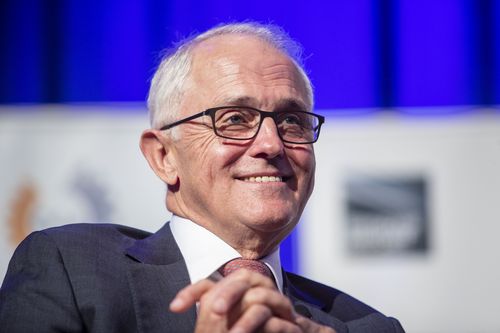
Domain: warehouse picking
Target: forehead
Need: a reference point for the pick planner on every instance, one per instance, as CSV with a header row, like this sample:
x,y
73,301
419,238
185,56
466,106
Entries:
x,y
233,68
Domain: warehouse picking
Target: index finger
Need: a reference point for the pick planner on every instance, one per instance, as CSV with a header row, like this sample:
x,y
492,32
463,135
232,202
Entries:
x,y
189,295
231,289
227,291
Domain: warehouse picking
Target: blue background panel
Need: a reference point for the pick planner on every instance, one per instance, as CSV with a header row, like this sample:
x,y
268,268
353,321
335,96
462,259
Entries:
x,y
430,55
496,51
360,54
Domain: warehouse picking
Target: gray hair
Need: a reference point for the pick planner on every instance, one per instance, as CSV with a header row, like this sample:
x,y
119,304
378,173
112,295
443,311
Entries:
x,y
169,81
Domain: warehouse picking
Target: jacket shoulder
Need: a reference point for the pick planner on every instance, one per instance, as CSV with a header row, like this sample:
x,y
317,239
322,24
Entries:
x,y
66,276
96,230
358,316
80,247
343,306
104,236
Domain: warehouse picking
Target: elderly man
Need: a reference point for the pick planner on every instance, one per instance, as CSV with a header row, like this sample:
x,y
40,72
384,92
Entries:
x,y
232,137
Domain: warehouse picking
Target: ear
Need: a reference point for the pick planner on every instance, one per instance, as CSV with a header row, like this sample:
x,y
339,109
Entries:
x,y
159,153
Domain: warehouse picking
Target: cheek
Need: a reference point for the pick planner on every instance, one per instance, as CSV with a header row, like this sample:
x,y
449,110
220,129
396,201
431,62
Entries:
x,y
195,157
223,156
305,165
303,160
208,158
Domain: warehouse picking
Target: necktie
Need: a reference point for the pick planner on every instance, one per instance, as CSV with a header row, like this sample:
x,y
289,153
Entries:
x,y
252,265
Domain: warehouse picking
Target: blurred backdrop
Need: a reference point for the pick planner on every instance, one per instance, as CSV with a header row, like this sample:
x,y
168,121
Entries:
x,y
408,186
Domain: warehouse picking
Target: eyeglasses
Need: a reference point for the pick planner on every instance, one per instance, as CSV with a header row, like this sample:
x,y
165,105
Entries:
x,y
243,123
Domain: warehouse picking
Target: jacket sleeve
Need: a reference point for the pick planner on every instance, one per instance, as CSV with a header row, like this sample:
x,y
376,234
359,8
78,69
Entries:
x,y
36,294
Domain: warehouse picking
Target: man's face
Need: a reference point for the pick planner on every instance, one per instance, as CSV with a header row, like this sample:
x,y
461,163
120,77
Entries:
x,y
217,186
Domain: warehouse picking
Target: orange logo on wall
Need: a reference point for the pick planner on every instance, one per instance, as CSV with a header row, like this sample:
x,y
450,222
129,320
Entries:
x,y
21,213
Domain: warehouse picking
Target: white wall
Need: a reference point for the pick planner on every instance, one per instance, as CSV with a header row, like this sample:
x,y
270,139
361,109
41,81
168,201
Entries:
x,y
455,286
85,165
75,163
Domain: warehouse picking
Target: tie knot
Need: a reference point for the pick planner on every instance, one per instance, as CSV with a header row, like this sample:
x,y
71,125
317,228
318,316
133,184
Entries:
x,y
251,265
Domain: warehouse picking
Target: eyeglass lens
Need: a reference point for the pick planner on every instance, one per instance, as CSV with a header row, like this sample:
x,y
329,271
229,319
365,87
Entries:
x,y
241,123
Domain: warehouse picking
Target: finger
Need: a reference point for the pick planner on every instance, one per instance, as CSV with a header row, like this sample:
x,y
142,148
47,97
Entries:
x,y
189,295
250,320
279,325
254,279
230,290
279,304
209,322
226,295
310,326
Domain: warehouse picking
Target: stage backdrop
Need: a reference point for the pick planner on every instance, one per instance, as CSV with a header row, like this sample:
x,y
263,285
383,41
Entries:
x,y
404,216
361,53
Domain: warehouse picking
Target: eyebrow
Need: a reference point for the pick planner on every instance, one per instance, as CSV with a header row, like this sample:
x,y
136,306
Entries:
x,y
291,104
284,104
240,101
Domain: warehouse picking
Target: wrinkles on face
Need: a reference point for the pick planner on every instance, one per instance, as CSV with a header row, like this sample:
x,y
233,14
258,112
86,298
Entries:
x,y
280,73
197,138
201,146
246,78
252,217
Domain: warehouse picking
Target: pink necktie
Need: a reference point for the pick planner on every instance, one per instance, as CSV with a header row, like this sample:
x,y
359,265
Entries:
x,y
252,265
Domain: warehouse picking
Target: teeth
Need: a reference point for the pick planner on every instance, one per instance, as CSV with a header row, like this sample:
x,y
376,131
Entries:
x,y
263,179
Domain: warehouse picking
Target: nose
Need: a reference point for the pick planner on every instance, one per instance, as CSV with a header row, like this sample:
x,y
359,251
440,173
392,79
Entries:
x,y
267,143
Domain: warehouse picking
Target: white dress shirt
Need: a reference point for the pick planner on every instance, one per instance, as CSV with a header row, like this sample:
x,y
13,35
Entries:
x,y
204,252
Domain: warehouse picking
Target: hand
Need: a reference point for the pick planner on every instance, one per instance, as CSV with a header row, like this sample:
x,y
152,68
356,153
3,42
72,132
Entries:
x,y
243,302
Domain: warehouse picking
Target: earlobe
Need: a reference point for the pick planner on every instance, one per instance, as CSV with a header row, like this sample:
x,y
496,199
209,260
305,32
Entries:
x,y
160,155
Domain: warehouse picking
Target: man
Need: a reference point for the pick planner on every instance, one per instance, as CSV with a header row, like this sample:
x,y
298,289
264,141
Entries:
x,y
232,134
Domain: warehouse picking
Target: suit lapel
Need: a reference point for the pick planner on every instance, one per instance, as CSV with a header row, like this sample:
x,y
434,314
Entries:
x,y
156,273
308,306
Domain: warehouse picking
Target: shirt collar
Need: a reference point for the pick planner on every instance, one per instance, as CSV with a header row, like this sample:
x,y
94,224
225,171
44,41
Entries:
x,y
204,252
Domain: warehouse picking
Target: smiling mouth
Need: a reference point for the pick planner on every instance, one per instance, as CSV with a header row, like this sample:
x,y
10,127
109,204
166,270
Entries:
x,y
264,179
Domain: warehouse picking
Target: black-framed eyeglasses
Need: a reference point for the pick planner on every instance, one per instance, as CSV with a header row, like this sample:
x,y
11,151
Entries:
x,y
243,123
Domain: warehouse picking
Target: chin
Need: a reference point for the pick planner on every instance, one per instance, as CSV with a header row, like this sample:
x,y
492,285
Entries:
x,y
270,223
270,215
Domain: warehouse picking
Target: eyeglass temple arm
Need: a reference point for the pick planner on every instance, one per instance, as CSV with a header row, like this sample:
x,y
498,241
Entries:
x,y
175,123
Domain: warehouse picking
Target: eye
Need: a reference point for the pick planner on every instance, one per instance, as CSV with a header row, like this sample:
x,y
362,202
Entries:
x,y
292,120
231,117
235,119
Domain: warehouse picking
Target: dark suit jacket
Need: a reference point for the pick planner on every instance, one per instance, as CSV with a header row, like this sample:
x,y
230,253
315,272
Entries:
x,y
111,278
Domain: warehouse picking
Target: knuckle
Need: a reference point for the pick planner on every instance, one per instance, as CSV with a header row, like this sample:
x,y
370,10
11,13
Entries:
x,y
278,325
263,310
203,299
268,282
260,293
287,302
273,325
243,273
